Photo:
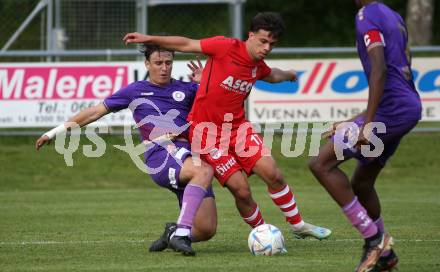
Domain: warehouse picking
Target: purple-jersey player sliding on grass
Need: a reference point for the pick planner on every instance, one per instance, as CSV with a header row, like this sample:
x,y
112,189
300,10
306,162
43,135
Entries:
x,y
381,37
160,107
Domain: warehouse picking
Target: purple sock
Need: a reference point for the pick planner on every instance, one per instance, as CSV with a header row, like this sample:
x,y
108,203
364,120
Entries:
x,y
359,218
381,227
192,198
379,224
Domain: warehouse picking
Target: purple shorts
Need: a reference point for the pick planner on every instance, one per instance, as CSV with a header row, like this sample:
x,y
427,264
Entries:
x,y
395,130
166,164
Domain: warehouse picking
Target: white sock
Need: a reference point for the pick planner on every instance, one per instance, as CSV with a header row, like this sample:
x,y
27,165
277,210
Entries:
x,y
182,232
298,226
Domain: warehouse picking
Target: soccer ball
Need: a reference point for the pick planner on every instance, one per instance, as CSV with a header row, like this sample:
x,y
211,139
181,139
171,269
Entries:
x,y
266,240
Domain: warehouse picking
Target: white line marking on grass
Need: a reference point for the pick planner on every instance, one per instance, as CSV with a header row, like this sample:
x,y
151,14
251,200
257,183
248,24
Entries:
x,y
24,243
397,240
73,242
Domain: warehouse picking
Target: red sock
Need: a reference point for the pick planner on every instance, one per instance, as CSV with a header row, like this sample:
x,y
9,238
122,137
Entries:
x,y
254,219
285,200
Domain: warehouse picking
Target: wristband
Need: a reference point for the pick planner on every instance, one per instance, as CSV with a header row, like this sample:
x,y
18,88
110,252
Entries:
x,y
57,130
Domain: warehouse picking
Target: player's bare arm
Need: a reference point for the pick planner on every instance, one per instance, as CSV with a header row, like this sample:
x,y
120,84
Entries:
x,y
176,43
278,75
83,118
376,83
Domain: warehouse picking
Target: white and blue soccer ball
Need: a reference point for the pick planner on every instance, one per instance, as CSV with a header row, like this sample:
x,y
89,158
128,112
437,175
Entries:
x,y
266,240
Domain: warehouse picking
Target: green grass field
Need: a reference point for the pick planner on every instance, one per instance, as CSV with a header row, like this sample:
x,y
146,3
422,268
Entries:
x,y
102,214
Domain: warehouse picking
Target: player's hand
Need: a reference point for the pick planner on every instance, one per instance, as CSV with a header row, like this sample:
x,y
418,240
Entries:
x,y
136,37
364,135
42,141
197,70
332,131
294,76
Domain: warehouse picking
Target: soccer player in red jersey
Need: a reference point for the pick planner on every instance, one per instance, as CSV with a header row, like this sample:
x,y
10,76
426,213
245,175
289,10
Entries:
x,y
219,130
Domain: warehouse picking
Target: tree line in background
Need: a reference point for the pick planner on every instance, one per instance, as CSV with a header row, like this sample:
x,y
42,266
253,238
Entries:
x,y
309,23
331,22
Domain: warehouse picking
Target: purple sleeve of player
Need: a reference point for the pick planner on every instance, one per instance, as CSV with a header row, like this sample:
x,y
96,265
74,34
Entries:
x,y
193,87
120,99
368,19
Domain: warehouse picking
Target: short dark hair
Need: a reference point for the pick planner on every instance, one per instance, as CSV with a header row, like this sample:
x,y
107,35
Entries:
x,y
148,49
269,21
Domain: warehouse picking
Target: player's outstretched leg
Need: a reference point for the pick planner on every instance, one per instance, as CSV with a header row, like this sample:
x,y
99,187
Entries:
x,y
162,243
285,200
283,197
204,228
192,198
325,168
362,182
249,211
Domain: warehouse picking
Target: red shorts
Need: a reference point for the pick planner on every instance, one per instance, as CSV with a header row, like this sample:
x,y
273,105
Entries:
x,y
228,153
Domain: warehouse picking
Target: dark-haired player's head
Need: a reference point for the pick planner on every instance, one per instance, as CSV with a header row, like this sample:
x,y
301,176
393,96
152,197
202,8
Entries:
x,y
265,30
270,22
159,63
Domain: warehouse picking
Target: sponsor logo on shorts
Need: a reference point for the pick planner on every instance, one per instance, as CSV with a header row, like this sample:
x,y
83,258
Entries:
x,y
223,168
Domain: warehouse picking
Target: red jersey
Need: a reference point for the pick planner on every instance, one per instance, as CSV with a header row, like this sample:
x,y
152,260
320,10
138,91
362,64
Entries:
x,y
227,80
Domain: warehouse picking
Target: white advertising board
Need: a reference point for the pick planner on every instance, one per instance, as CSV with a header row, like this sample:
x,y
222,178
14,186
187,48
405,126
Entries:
x,y
46,94
333,89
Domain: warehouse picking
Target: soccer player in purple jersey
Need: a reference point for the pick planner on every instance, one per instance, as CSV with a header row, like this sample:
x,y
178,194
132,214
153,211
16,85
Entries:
x,y
381,37
161,107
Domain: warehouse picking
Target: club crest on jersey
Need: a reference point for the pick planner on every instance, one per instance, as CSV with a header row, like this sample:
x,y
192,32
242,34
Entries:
x,y
254,72
178,96
236,85
215,153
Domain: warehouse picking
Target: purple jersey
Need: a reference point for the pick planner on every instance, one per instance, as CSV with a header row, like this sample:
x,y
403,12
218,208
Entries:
x,y
377,24
157,110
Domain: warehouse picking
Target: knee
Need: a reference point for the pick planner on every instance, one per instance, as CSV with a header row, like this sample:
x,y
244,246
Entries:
x,y
203,175
209,232
275,179
243,195
316,166
205,229
206,232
